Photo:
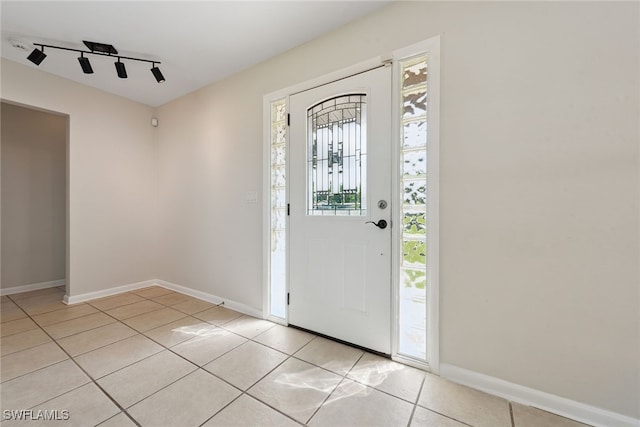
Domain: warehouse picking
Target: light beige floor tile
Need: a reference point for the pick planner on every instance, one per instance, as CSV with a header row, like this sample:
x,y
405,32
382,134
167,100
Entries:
x,y
353,404
424,417
81,324
37,293
95,338
383,374
17,326
463,403
246,411
69,313
108,303
246,364
296,388
287,340
172,299
135,309
248,326
212,344
152,291
33,297
188,402
151,374
23,341
179,331
25,361
218,315
120,420
112,357
42,385
526,416
193,306
87,406
331,355
42,304
153,319
4,298
10,311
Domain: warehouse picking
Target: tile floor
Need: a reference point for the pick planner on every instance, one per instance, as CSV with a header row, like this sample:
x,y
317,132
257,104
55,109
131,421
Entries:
x,y
154,357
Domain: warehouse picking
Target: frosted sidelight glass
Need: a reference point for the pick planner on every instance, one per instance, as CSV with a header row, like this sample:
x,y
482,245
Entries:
x,y
413,181
278,253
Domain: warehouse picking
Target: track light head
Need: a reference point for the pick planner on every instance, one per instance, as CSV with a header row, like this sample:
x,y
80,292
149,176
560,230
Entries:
x,y
37,56
122,71
85,64
157,74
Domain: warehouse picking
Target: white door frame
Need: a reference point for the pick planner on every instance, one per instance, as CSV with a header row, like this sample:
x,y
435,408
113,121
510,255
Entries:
x,y
432,46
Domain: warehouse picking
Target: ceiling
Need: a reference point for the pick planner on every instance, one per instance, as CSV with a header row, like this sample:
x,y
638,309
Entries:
x,y
197,42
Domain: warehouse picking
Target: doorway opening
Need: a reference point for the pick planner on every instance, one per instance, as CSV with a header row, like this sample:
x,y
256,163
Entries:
x,y
34,217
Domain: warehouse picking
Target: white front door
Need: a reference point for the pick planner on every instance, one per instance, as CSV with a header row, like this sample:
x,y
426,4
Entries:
x,y
340,181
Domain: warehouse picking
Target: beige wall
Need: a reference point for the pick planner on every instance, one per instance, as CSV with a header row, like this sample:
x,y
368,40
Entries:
x,y
539,185
33,196
112,177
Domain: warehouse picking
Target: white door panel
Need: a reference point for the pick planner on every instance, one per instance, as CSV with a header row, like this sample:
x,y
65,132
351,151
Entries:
x,y
340,279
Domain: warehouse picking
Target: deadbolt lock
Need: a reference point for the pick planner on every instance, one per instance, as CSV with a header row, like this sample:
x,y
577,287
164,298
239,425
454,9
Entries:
x,y
382,204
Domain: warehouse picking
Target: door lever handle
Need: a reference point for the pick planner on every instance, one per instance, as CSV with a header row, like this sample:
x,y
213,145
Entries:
x,y
382,224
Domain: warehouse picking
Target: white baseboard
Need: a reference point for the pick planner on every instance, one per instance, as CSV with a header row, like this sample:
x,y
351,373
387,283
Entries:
x,y
233,305
527,396
107,292
31,287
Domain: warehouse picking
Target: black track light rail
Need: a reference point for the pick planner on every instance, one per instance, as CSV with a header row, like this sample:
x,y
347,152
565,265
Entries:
x,y
97,53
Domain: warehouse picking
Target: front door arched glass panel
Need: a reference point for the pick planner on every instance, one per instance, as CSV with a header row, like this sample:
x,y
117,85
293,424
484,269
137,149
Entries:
x,y
336,156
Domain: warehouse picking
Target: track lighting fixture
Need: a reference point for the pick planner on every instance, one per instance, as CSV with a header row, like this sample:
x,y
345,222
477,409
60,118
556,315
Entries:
x,y
100,49
122,71
85,64
37,56
157,73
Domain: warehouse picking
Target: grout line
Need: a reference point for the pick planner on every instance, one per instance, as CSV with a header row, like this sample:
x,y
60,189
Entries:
x,y
415,404
105,345
221,409
447,416
265,403
76,333
344,378
513,422
162,388
21,332
22,349
62,321
104,310
324,401
245,392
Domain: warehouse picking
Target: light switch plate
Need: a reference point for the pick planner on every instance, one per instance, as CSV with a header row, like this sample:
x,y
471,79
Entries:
x,y
251,197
